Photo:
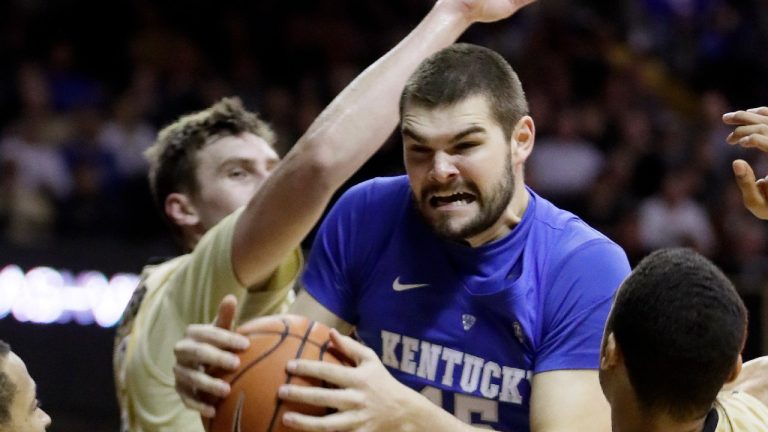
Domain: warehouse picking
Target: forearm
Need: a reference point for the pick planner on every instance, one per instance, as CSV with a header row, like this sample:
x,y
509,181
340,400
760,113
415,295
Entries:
x,y
342,138
365,113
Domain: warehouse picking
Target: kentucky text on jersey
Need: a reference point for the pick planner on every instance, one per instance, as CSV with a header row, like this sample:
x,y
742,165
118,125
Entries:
x,y
474,375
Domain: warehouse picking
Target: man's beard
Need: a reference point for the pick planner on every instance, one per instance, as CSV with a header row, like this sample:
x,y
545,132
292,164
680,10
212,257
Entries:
x,y
490,208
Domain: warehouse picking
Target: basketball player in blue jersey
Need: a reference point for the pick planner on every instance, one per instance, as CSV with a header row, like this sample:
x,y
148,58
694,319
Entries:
x,y
473,291
672,340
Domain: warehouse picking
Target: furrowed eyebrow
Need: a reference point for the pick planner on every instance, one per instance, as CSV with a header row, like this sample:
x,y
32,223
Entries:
x,y
413,135
458,137
466,132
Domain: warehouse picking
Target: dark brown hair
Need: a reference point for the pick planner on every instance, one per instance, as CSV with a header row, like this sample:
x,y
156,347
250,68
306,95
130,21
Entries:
x,y
462,71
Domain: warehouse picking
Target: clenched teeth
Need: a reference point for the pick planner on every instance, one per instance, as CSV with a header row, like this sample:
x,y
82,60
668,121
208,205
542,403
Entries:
x,y
460,198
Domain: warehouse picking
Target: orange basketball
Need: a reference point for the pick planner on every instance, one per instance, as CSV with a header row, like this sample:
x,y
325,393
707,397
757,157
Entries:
x,y
252,405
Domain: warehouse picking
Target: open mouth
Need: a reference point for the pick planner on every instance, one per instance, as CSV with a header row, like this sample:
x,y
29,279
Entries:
x,y
456,199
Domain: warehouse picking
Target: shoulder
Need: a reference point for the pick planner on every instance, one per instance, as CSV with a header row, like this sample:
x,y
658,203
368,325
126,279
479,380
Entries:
x,y
375,197
379,188
156,274
742,409
753,379
568,235
366,211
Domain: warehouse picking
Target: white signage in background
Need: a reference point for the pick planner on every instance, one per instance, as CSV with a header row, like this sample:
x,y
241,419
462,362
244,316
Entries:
x,y
45,295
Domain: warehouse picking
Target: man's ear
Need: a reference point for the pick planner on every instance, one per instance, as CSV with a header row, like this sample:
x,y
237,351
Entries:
x,y
610,355
523,136
180,210
736,370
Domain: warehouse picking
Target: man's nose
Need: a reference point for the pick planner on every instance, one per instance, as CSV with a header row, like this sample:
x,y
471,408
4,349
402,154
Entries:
x,y
443,168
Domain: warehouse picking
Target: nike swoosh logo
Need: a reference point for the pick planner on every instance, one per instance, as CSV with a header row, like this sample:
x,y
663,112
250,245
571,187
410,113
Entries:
x,y
397,286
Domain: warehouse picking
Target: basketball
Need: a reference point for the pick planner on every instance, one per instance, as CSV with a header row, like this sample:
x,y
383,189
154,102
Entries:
x,y
252,404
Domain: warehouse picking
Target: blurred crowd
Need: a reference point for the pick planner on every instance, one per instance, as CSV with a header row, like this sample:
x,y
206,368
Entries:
x,y
627,98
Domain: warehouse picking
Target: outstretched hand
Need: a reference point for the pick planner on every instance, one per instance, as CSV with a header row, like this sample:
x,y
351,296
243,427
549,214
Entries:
x,y
488,10
751,130
208,346
367,399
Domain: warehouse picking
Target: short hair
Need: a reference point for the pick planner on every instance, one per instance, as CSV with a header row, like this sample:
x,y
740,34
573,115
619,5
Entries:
x,y
172,158
7,386
464,70
681,326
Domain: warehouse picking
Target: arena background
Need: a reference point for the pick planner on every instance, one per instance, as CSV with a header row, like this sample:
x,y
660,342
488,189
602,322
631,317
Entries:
x,y
626,96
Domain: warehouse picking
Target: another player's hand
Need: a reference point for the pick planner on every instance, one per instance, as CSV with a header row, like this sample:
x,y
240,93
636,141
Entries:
x,y
486,10
751,130
367,398
207,346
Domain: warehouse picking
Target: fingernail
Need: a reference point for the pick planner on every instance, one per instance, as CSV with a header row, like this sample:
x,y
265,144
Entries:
x,y
743,140
289,417
753,110
290,366
281,391
234,362
728,115
224,389
242,342
738,169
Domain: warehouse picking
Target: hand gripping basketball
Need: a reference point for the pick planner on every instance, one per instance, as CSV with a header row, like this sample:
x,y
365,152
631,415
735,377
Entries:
x,y
252,404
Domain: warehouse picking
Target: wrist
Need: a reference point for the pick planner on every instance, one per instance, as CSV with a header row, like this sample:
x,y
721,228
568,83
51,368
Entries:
x,y
455,12
420,414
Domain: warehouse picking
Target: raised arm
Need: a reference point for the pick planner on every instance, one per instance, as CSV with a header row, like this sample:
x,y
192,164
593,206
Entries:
x,y
342,138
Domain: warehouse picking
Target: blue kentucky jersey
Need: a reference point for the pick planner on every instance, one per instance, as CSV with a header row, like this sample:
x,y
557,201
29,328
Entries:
x,y
467,327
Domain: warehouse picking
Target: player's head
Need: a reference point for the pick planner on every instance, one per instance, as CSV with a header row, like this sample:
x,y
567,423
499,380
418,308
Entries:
x,y
673,338
207,164
19,407
467,135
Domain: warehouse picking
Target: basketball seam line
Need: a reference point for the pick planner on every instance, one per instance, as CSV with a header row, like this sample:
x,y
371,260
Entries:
x,y
283,336
323,351
288,377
